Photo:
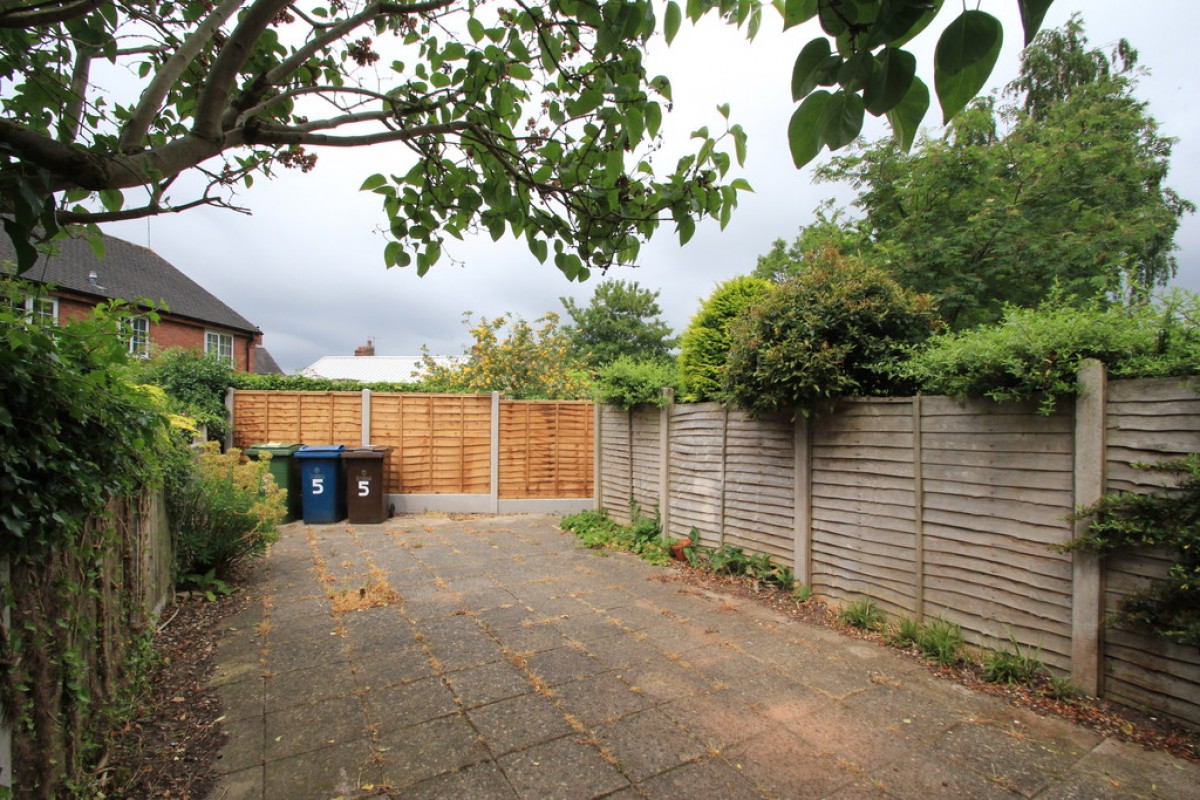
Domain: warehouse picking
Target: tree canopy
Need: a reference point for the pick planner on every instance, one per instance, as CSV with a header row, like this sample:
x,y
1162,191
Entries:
x,y
621,319
1065,186
704,346
534,118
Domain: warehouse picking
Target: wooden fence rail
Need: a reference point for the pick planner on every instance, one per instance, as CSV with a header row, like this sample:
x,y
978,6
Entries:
x,y
933,508
476,453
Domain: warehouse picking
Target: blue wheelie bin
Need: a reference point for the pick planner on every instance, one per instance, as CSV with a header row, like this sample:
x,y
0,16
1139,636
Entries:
x,y
322,494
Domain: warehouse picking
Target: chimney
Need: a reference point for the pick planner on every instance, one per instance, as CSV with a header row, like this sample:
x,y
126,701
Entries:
x,y
366,350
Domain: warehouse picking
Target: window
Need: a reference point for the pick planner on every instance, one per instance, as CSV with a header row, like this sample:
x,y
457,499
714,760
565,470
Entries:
x,y
138,331
219,345
42,310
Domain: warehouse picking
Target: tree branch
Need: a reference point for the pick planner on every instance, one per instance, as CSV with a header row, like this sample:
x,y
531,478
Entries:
x,y
288,136
149,210
48,13
151,100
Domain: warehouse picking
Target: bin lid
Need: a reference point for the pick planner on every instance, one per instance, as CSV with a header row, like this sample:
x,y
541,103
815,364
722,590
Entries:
x,y
366,451
320,451
274,448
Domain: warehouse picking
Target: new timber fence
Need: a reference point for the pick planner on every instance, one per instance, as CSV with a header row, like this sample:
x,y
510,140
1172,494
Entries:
x,y
933,508
473,453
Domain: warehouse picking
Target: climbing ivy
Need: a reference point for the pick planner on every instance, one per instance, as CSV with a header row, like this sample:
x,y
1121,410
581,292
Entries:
x,y
1169,519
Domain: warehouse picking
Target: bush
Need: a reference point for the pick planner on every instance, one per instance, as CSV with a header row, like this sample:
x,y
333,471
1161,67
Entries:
x,y
195,386
627,382
1035,352
835,329
303,383
704,347
223,511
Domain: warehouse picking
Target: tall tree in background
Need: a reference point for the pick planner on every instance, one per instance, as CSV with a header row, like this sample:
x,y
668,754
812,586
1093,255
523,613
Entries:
x,y
1064,187
621,319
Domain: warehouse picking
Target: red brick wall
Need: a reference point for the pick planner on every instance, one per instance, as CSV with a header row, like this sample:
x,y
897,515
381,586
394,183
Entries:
x,y
172,331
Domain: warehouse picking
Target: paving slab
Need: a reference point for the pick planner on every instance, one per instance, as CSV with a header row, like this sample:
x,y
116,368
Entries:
x,y
515,664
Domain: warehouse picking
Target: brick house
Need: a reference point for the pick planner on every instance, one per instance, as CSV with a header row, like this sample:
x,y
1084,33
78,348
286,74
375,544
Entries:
x,y
189,315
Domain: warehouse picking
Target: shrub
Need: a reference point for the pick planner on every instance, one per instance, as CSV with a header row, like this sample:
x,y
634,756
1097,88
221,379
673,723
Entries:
x,y
195,386
223,511
1011,666
704,346
835,329
595,529
627,382
1038,351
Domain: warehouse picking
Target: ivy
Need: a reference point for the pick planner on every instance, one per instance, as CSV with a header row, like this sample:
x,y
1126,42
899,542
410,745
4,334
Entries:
x,y
1170,520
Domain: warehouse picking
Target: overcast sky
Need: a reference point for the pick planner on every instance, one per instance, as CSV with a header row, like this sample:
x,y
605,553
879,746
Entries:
x,y
307,267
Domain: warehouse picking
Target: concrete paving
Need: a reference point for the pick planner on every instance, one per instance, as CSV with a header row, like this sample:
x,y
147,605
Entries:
x,y
513,664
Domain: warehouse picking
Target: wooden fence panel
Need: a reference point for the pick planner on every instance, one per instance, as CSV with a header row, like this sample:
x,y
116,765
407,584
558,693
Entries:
x,y
546,449
760,480
441,444
863,504
697,474
646,458
616,461
998,484
1147,421
307,417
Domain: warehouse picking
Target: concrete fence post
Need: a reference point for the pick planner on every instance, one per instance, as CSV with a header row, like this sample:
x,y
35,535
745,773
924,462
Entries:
x,y
597,456
366,417
1087,573
802,500
664,461
918,411
6,757
495,466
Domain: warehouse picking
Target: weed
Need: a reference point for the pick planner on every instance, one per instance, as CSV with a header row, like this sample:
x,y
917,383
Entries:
x,y
1060,687
864,614
802,593
905,633
208,584
941,641
1011,666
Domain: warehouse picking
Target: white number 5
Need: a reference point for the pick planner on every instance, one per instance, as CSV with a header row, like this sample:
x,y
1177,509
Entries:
x,y
364,488
318,485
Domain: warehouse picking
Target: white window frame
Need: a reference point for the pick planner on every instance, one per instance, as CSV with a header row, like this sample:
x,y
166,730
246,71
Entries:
x,y
139,337
220,345
36,309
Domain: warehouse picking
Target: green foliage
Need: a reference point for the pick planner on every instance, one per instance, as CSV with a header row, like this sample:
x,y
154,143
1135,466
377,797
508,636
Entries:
x,y
74,431
1037,352
195,385
861,57
1012,666
1169,519
622,320
704,346
513,357
224,511
863,614
626,383
941,641
802,592
1065,187
303,383
536,119
643,537
833,330
830,231
906,632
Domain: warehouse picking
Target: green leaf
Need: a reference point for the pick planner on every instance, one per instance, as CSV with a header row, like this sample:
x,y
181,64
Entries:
x,y
809,67
1032,14
653,118
798,11
741,184
906,117
890,81
964,58
520,72
687,229
673,20
540,249
372,183
899,23
475,28
112,199
841,119
804,135
739,144
723,110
